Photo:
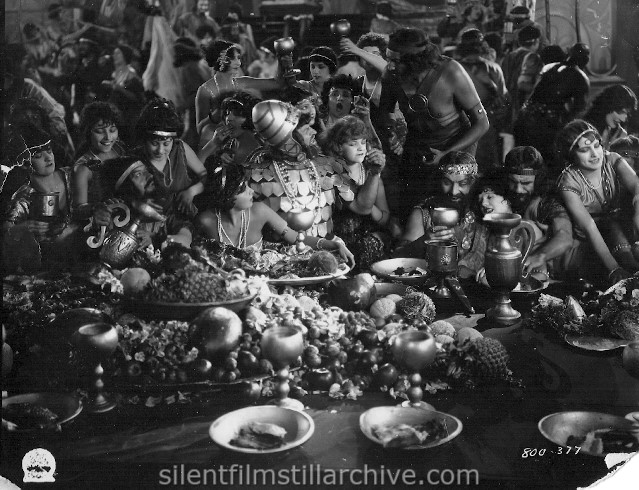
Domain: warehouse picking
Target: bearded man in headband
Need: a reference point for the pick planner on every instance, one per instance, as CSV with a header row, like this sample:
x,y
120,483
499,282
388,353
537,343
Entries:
x,y
440,103
529,197
456,174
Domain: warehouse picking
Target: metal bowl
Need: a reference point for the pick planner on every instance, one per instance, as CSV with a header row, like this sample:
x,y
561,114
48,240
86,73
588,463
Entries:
x,y
557,427
299,427
66,407
444,217
385,269
389,416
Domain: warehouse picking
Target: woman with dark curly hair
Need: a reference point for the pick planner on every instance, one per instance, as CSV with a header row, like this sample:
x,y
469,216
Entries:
x,y
225,58
233,218
609,110
235,139
100,125
591,185
175,166
338,98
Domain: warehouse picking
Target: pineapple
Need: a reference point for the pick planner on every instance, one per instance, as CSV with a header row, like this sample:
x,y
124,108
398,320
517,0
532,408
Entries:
x,y
491,358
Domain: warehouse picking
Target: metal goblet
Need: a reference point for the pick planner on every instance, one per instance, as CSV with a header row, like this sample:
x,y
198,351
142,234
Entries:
x,y
283,48
300,220
448,217
415,349
282,345
97,341
341,28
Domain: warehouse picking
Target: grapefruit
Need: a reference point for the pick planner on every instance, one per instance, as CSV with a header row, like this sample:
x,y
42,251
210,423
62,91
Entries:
x,y
134,280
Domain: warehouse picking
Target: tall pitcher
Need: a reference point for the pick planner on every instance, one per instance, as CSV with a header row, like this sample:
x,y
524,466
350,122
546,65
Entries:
x,y
504,261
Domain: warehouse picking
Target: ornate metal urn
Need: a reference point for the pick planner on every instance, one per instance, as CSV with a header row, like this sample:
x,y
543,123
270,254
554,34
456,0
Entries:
x,y
503,261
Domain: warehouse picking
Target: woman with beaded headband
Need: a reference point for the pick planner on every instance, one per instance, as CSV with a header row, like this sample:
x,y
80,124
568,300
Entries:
x,y
225,59
234,139
233,218
100,124
591,185
55,235
440,103
176,167
361,212
322,65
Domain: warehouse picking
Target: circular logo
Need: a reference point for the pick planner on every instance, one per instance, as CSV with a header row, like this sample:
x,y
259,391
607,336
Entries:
x,y
38,466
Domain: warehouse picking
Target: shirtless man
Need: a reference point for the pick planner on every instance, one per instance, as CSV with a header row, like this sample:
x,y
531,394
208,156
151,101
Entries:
x,y
441,106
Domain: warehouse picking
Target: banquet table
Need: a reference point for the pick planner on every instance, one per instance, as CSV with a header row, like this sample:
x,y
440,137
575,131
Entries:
x,y
134,446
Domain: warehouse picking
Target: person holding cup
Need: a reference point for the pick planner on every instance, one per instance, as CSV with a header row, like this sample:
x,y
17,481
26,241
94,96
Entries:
x,y
456,174
42,206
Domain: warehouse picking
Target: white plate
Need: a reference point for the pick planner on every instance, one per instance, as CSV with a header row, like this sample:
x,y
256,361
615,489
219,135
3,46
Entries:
x,y
299,427
66,407
378,416
599,344
342,269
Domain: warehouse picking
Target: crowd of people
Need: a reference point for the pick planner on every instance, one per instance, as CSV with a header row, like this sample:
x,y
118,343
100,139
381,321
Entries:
x,y
179,133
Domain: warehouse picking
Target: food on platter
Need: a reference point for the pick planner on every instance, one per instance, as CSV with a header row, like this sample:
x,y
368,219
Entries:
x,y
405,435
607,440
417,306
31,416
611,314
259,435
409,271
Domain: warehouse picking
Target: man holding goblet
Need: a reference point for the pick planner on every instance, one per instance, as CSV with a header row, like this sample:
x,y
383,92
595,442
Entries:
x,y
457,172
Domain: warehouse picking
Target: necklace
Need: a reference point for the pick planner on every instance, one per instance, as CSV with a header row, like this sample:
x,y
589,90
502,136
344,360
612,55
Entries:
x,y
372,91
291,189
241,239
362,175
590,184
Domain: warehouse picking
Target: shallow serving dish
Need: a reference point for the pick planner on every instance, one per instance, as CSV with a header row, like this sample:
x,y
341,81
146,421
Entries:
x,y
342,270
379,416
299,427
386,270
599,344
557,427
66,407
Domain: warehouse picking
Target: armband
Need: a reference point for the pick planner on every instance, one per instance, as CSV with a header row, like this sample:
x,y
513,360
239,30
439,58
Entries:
x,y
479,110
319,243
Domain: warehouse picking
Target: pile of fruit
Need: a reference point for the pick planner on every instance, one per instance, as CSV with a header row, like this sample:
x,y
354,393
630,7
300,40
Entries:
x,y
344,353
183,276
612,313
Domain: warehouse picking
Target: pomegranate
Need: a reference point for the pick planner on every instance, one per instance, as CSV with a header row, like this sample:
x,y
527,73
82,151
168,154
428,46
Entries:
x,y
134,280
217,330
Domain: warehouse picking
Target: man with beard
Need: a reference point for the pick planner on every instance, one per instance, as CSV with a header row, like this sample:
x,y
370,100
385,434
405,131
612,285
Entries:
x,y
528,197
161,222
457,172
440,103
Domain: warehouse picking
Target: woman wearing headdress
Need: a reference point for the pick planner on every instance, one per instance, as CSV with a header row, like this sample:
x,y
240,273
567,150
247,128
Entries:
x,y
174,164
591,185
234,139
225,58
32,148
238,32
323,65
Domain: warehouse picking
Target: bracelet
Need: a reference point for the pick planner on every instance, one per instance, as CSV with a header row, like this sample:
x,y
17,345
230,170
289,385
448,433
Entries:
x,y
620,247
613,271
381,217
319,243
